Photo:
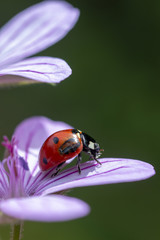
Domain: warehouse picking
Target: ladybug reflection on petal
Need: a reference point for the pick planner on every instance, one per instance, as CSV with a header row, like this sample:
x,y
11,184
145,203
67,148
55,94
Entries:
x,y
64,145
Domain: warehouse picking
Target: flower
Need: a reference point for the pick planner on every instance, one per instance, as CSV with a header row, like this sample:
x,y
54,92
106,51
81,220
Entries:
x,y
27,193
30,32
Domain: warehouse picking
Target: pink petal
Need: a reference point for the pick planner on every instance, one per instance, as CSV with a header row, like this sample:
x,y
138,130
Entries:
x,y
35,29
45,209
31,134
43,69
112,170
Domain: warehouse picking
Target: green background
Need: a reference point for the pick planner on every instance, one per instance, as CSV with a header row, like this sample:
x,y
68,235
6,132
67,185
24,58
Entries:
x,y
113,95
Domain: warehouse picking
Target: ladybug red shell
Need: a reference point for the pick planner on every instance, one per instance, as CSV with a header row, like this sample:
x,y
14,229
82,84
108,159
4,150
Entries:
x,y
64,145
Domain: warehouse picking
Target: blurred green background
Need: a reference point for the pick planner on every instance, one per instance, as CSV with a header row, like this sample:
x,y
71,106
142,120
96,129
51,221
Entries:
x,y
113,95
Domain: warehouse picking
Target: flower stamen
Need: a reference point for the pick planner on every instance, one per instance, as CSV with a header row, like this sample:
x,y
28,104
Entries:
x,y
14,166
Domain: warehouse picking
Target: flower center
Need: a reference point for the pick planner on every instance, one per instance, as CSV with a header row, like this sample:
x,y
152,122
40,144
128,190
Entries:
x,y
14,168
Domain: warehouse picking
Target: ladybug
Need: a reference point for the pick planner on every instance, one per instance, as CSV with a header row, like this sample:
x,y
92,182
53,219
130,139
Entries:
x,y
64,145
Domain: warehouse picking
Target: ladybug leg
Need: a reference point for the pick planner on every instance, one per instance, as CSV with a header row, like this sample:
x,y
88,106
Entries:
x,y
97,161
92,157
79,159
58,168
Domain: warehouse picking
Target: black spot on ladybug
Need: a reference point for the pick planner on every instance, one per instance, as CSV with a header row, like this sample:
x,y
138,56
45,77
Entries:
x,y
74,131
55,140
45,161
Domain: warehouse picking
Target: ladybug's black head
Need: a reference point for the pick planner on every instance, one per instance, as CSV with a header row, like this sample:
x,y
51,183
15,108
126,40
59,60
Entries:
x,y
90,146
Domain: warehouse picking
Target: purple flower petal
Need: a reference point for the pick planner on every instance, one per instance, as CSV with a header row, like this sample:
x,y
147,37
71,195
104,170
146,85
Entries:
x,y
35,29
112,170
3,182
45,209
43,69
31,134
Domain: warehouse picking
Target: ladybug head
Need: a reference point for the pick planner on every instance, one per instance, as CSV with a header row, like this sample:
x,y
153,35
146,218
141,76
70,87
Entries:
x,y
90,146
97,150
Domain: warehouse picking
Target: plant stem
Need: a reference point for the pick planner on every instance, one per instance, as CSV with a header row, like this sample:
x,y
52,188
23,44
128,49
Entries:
x,y
16,231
